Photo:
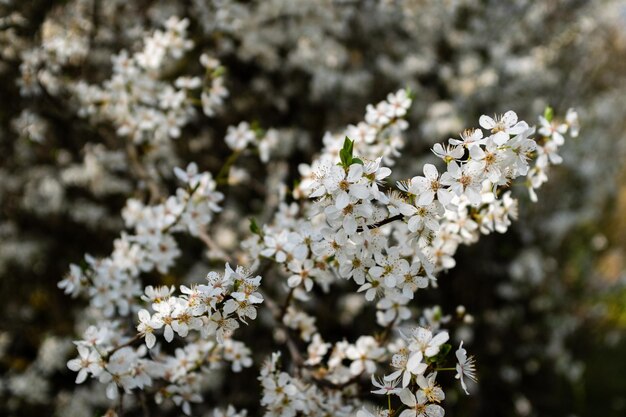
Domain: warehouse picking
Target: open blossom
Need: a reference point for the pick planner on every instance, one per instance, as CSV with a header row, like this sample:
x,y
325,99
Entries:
x,y
316,350
88,362
428,385
221,326
146,327
391,268
403,370
238,138
423,340
503,126
385,387
351,186
463,180
469,137
302,273
418,405
73,281
427,187
448,153
364,354
465,367
552,129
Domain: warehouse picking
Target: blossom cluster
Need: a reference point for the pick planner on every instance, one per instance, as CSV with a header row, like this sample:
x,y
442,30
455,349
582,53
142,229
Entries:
x,y
391,243
139,100
112,283
346,228
106,354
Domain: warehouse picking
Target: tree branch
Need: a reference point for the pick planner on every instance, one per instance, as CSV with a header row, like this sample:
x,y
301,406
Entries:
x,y
381,223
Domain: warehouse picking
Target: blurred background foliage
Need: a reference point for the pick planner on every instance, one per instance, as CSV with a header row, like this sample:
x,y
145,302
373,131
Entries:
x,y
548,298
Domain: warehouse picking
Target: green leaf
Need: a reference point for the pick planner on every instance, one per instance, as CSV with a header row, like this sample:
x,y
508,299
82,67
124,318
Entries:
x,y
346,152
441,356
344,157
548,113
357,161
410,93
254,227
445,349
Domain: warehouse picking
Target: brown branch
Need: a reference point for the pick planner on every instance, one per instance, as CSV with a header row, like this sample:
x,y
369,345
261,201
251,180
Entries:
x,y
123,345
141,173
285,306
381,223
294,352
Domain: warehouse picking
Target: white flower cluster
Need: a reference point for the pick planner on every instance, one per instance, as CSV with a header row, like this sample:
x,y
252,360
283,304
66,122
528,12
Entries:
x,y
391,243
139,100
112,283
205,308
349,224
344,239
552,132
288,396
102,354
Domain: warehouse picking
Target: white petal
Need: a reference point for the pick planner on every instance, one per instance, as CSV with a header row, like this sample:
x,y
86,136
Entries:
x,y
509,118
168,333
407,397
343,199
360,191
355,172
518,128
430,172
414,361
82,376
294,281
150,340
349,225
500,138
486,122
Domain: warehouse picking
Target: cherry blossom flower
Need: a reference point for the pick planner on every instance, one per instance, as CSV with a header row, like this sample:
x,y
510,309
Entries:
x,y
88,362
147,325
418,405
502,127
466,367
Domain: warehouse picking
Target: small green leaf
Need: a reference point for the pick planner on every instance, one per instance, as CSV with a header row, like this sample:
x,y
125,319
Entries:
x,y
410,93
348,144
254,227
441,356
445,349
344,157
548,113
357,161
345,153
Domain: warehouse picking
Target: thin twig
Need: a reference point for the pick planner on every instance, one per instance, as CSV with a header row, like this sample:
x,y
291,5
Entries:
x,y
294,352
141,173
381,223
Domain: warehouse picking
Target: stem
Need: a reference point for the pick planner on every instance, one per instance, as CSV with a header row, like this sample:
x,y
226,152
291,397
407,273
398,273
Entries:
x,y
120,406
445,369
278,317
283,310
381,223
387,332
222,176
141,173
123,345
144,404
